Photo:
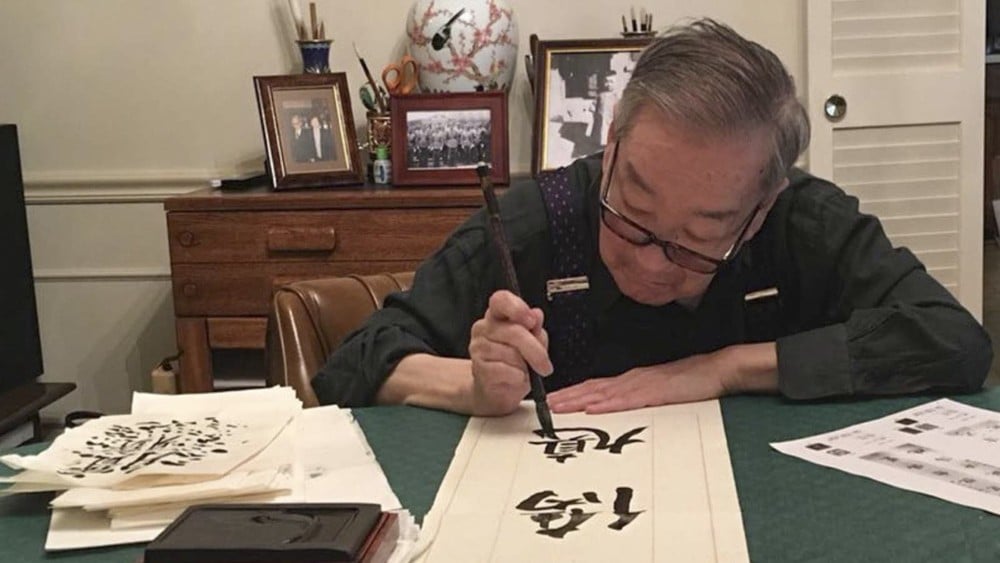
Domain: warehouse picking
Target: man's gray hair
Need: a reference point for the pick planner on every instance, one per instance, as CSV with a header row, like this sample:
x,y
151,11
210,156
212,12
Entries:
x,y
705,75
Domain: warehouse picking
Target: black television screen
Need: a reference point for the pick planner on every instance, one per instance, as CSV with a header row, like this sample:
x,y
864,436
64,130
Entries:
x,y
992,18
20,347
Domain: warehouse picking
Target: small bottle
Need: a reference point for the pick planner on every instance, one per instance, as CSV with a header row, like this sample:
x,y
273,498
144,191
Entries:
x,y
382,167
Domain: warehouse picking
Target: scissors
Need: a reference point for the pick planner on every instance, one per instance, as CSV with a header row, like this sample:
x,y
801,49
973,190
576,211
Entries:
x,y
401,77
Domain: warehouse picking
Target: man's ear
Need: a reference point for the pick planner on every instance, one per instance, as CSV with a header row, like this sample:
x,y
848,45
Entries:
x,y
776,192
608,143
765,208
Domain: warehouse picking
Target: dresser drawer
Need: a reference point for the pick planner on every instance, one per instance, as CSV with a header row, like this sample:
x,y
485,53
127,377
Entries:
x,y
245,289
354,235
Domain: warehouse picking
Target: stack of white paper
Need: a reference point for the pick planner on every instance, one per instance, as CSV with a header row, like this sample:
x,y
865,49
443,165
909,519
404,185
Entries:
x,y
943,448
127,477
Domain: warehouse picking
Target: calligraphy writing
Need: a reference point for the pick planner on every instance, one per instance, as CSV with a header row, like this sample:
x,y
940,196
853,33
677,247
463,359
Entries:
x,y
561,449
556,517
130,448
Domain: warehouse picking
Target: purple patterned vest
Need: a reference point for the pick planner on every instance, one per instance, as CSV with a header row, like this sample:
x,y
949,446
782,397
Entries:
x,y
569,326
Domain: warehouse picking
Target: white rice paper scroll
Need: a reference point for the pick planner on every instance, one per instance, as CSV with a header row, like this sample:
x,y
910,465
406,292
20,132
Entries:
x,y
648,485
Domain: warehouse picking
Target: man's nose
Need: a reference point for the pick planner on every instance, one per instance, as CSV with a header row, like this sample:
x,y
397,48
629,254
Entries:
x,y
652,259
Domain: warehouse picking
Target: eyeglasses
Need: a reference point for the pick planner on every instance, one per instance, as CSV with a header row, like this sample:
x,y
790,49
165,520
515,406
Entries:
x,y
634,233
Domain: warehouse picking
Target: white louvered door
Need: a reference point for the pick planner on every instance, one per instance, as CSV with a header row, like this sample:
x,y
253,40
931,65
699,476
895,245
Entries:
x,y
909,144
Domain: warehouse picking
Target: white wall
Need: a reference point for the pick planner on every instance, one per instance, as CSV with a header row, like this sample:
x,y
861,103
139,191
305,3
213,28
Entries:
x,y
120,103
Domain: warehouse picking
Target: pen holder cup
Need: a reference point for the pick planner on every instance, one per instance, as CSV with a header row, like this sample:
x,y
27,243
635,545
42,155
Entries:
x,y
379,135
315,55
379,131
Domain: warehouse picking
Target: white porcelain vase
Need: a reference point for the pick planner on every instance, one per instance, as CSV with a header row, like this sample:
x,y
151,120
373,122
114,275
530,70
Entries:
x,y
463,45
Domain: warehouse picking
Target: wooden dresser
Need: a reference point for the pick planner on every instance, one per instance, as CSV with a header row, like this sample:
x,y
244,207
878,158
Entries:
x,y
230,250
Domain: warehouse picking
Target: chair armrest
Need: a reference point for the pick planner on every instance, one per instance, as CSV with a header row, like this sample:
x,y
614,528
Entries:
x,y
309,319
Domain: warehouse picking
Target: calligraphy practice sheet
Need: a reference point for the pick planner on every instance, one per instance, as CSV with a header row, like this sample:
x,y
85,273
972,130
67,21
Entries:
x,y
646,485
313,455
111,450
944,449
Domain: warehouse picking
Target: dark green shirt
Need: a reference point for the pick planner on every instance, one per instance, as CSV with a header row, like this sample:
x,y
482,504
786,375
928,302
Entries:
x,y
856,316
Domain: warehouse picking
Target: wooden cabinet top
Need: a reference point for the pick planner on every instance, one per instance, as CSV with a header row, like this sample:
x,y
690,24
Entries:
x,y
352,197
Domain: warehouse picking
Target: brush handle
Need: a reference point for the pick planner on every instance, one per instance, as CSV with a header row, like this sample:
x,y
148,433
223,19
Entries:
x,y
510,276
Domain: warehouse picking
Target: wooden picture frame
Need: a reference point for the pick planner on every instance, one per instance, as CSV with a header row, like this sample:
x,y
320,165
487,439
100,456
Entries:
x,y
308,130
438,139
577,82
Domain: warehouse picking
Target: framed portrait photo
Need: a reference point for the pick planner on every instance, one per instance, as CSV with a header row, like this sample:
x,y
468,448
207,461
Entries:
x,y
440,139
577,84
308,130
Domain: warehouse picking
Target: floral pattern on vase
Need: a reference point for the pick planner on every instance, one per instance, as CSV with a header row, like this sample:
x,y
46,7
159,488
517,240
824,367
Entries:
x,y
463,45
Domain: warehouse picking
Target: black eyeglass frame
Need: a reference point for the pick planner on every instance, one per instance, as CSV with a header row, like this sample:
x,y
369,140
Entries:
x,y
675,253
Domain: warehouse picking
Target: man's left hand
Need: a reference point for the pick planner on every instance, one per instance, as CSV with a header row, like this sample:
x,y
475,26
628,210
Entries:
x,y
695,378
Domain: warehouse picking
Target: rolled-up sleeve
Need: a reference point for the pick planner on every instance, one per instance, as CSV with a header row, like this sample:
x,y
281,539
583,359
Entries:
x,y
450,291
875,322
433,317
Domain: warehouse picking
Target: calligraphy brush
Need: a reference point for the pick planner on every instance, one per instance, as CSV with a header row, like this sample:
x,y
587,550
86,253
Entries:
x,y
364,66
503,250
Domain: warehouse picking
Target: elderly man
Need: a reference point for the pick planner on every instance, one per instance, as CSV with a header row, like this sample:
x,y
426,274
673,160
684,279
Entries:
x,y
689,262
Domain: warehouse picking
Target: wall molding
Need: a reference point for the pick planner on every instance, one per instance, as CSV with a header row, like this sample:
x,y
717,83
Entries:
x,y
101,274
88,187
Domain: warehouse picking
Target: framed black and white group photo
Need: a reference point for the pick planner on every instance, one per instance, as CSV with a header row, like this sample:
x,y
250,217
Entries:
x,y
439,139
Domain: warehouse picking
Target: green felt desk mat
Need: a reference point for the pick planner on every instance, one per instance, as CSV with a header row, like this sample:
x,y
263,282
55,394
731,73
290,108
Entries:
x,y
792,510
797,511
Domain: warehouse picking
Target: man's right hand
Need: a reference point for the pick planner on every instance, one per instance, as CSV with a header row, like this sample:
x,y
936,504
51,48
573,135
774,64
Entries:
x,y
508,339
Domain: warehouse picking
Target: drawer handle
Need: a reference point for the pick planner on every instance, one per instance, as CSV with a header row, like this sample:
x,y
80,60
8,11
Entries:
x,y
302,239
187,238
